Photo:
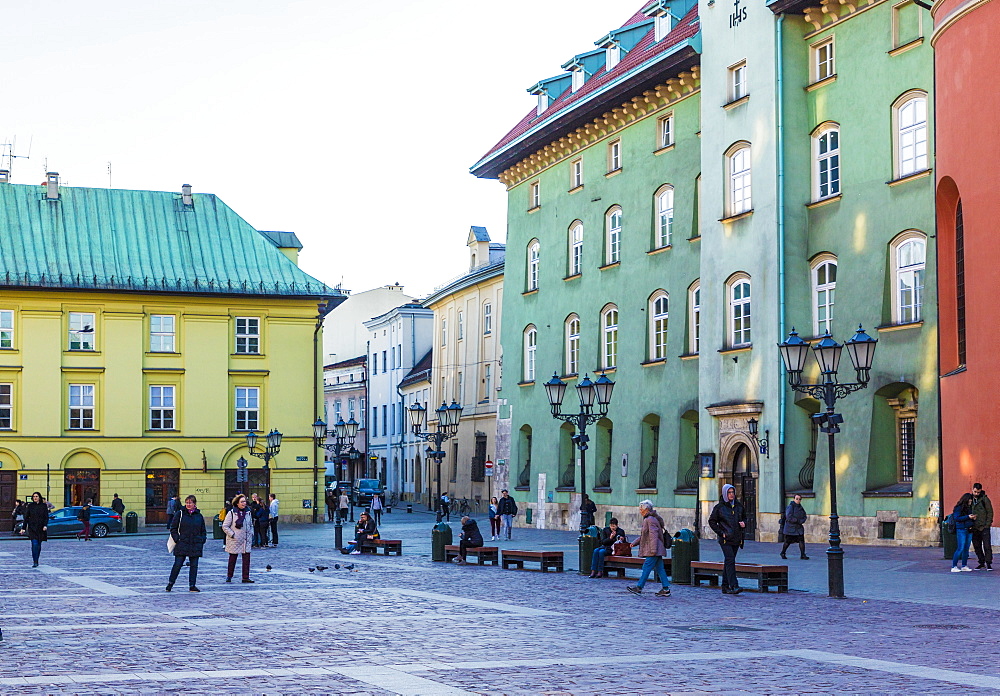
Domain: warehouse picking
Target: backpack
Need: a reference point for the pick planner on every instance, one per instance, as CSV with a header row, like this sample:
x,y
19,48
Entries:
x,y
949,524
668,540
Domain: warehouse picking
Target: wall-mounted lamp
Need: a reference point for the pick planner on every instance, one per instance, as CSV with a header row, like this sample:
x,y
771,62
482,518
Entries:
x,y
762,444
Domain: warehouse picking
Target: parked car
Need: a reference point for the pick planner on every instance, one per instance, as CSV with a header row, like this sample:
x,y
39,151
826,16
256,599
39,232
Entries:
x,y
63,522
364,489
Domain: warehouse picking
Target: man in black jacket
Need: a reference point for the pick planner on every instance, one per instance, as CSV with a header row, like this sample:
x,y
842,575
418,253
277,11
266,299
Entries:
x,y
471,538
506,508
727,521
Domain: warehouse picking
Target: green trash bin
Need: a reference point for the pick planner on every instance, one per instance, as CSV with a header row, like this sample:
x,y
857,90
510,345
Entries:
x,y
440,537
131,523
217,532
684,550
588,541
949,540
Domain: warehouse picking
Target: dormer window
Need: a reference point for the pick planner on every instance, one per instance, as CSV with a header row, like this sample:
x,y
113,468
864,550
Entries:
x,y
579,77
612,55
662,24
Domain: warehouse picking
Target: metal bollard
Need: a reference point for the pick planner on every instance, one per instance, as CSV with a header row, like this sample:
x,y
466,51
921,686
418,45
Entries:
x,y
338,533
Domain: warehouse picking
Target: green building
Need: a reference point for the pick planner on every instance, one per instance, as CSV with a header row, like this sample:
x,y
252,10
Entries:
x,y
684,195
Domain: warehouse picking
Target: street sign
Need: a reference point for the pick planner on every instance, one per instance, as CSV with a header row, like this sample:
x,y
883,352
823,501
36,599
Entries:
x,y
302,459
306,503
242,475
489,468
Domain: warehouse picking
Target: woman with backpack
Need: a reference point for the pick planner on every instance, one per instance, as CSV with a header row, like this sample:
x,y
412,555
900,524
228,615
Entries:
x,y
964,521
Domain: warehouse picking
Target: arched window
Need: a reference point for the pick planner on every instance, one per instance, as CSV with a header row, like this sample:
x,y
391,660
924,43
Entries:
x,y
908,257
575,248
530,344
664,226
824,286
609,337
659,305
738,172
533,252
739,310
572,362
909,114
694,319
613,236
826,161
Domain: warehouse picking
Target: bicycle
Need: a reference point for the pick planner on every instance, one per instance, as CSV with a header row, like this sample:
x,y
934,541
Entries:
x,y
393,500
463,506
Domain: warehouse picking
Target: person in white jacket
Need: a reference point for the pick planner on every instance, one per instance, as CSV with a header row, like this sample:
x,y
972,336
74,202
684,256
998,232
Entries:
x,y
238,527
273,521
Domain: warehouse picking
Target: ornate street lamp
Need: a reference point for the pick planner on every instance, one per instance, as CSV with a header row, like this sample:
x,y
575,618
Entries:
x,y
271,448
447,427
343,440
861,349
763,444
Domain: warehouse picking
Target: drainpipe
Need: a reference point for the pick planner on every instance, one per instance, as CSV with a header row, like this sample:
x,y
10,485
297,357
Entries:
x,y
368,400
779,120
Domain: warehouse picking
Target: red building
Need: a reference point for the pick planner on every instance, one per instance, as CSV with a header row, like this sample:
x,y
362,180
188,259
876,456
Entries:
x,y
968,148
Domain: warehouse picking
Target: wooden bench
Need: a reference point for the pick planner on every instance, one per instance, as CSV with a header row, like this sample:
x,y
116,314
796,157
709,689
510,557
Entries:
x,y
483,554
766,575
390,545
619,564
545,559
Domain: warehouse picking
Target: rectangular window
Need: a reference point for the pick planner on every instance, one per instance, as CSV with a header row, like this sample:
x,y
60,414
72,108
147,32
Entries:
x,y
614,156
161,333
337,411
487,318
6,406
399,353
393,356
161,407
248,335
461,387
385,419
576,173
907,447
535,195
907,23
823,63
487,382
6,329
375,421
739,307
247,408
350,408
81,330
738,81
696,320
576,250
444,332
81,407
665,131
385,361
461,325
827,146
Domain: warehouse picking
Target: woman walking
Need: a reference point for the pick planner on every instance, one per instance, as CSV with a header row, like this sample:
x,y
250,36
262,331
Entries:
x,y
84,517
377,507
18,516
36,525
187,528
238,527
494,519
652,549
793,529
963,519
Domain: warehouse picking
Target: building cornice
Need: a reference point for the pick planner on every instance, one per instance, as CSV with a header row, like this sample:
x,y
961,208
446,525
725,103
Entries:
x,y
952,17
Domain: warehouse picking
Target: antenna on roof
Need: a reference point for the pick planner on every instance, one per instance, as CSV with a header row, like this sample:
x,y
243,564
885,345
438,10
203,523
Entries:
x,y
7,153
109,173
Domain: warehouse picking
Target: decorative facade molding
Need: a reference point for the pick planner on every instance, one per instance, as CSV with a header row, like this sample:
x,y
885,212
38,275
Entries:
x,y
831,12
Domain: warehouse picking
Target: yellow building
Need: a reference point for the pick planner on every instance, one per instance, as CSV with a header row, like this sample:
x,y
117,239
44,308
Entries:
x,y
466,365
142,333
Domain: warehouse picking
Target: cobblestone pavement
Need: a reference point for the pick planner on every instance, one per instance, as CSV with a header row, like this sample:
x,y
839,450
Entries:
x,y
94,619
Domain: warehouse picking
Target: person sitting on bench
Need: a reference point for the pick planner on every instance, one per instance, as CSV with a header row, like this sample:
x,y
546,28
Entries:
x,y
611,535
364,530
470,538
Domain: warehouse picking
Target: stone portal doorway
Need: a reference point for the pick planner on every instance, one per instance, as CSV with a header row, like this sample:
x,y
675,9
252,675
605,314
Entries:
x,y
742,478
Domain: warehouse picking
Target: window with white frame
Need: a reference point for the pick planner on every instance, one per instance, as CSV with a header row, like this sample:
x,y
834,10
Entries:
x,y
81,407
6,328
6,406
578,77
694,305
247,408
739,311
910,116
659,305
665,131
661,26
738,81
614,156
533,255
738,165
824,283
351,408
534,194
82,329
338,410
487,318
576,248
664,216
823,65
572,350
612,55
576,173
162,333
461,330
613,236
444,332
826,158
248,335
530,344
909,255
609,337
161,407
487,381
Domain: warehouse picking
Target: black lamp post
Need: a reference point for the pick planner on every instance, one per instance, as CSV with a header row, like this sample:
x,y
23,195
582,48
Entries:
x,y
763,443
447,427
861,348
343,443
588,392
272,445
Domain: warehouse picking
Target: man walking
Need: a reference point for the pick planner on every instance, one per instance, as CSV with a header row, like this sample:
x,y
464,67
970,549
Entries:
x,y
377,508
118,505
652,549
444,507
728,521
982,508
273,520
172,508
507,509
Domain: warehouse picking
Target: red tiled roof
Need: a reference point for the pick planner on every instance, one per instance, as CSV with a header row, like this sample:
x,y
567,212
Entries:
x,y
643,51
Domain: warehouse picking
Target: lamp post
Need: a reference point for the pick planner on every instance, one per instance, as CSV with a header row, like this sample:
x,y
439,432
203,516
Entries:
x,y
827,352
272,445
763,443
343,443
447,427
588,392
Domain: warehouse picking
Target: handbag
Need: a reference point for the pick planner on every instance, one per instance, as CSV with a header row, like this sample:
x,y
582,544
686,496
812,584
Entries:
x,y
621,548
171,544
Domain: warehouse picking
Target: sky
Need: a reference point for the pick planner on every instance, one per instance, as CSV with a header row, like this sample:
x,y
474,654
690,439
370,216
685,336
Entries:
x,y
351,123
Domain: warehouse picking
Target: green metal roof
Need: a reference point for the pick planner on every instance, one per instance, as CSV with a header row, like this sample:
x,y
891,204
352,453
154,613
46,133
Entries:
x,y
139,241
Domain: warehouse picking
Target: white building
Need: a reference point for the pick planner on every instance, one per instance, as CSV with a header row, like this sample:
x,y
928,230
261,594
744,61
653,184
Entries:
x,y
344,332
345,394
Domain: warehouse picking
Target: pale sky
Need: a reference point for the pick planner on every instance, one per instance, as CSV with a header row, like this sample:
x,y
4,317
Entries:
x,y
349,122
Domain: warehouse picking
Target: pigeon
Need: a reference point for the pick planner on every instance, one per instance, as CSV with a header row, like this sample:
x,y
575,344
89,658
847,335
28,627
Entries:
x,y
267,567
349,566
321,568
311,569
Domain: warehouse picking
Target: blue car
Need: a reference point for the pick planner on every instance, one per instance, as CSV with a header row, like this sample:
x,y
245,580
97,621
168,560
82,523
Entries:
x,y
63,522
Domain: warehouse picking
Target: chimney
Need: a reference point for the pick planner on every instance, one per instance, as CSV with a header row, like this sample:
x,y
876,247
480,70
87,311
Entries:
x,y
4,176
52,186
186,197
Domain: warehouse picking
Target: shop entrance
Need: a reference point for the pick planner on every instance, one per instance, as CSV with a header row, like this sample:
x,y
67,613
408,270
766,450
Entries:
x,y
81,485
161,486
8,491
746,486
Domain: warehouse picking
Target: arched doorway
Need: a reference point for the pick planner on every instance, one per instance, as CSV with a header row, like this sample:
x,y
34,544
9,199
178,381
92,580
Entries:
x,y
742,478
